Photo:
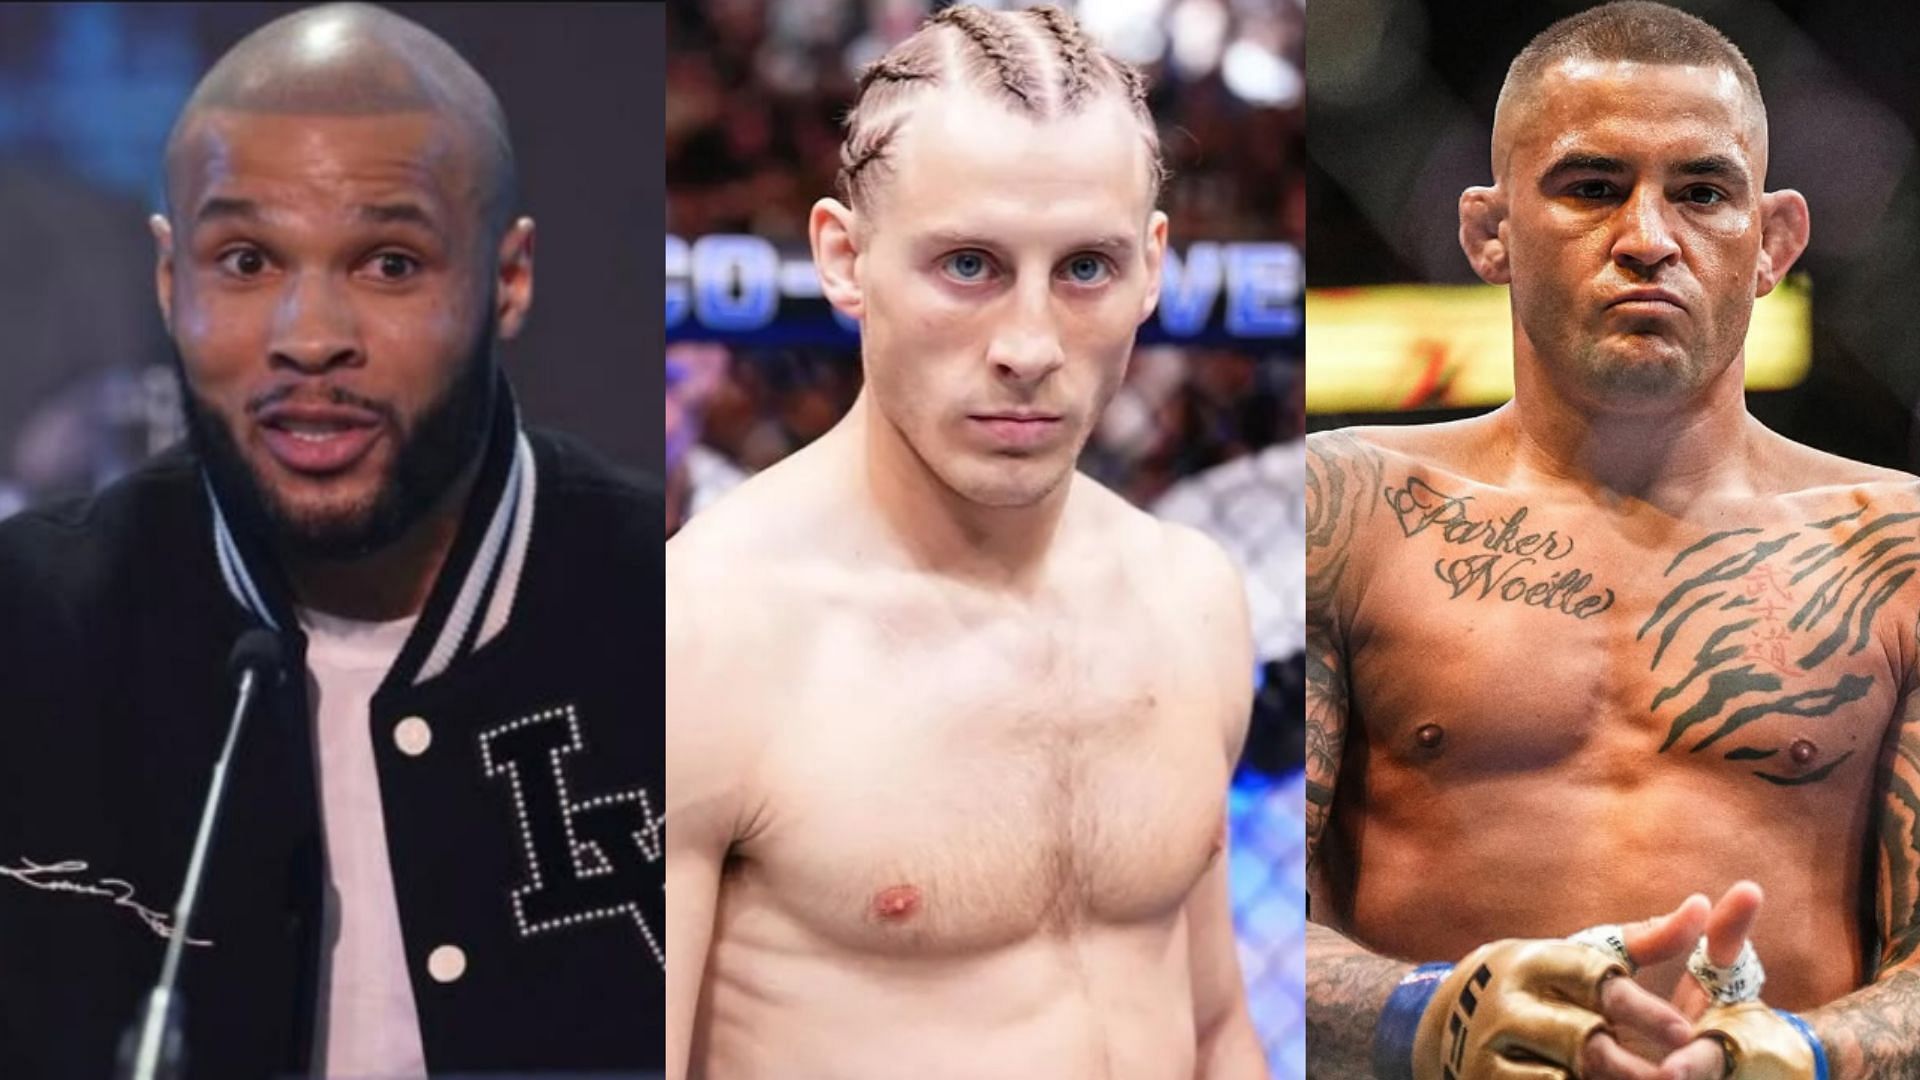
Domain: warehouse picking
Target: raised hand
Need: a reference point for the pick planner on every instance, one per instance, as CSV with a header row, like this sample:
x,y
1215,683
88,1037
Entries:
x,y
1643,1028
1729,926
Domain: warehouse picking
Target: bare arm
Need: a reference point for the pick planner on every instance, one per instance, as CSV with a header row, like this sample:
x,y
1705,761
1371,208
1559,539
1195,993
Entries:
x,y
1874,1032
1341,475
1227,1047
1347,986
702,810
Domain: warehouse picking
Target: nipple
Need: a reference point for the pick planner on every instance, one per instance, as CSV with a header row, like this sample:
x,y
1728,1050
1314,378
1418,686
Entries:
x,y
896,903
1802,751
1430,736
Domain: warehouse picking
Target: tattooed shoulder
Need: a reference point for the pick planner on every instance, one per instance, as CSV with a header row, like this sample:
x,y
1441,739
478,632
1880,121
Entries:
x,y
1343,475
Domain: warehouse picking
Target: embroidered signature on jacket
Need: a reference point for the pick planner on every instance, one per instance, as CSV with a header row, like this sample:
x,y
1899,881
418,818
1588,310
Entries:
x,y
50,877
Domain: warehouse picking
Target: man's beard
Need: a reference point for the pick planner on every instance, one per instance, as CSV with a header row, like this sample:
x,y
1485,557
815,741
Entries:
x,y
445,438
1614,377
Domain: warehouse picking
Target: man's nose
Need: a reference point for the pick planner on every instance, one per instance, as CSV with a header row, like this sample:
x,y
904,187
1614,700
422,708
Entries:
x,y
1645,240
1026,347
314,327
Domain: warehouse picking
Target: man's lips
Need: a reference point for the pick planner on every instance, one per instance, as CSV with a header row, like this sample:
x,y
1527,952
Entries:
x,y
317,440
1646,300
1018,429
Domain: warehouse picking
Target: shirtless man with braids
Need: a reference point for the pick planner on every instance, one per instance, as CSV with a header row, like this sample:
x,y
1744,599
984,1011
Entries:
x,y
1615,644
949,726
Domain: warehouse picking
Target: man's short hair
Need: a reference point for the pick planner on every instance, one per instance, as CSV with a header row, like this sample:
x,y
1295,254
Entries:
x,y
368,61
1036,62
1636,31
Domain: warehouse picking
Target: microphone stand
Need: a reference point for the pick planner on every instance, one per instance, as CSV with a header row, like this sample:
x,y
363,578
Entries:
x,y
156,1041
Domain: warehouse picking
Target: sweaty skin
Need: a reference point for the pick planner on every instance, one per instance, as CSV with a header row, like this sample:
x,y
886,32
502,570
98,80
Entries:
x,y
1616,643
1547,684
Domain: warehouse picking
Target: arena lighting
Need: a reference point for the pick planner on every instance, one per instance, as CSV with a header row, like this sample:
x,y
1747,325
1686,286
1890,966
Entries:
x,y
1129,29
1259,76
1382,348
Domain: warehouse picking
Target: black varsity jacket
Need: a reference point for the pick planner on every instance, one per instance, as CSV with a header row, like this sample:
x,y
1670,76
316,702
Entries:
x,y
518,740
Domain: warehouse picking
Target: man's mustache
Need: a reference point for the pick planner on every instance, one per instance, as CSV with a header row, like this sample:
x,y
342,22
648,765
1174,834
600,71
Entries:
x,y
336,395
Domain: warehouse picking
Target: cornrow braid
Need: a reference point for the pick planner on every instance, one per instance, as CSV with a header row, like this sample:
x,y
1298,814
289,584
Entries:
x,y
1076,67
1011,57
888,77
1132,81
855,155
887,69
996,44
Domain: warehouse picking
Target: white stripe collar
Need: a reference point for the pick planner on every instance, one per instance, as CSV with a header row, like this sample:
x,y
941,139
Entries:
x,y
501,557
490,581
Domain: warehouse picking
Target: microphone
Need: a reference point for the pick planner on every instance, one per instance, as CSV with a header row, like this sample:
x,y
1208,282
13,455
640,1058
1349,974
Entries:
x,y
152,1047
258,651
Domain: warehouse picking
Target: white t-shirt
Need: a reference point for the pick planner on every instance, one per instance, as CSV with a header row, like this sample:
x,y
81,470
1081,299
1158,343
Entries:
x,y
367,1024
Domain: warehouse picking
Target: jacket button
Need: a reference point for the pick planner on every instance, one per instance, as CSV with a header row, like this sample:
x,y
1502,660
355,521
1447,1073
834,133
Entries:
x,y
412,736
447,963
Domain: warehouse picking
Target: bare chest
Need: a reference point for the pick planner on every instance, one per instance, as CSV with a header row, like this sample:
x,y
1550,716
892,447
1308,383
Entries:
x,y
1770,646
957,793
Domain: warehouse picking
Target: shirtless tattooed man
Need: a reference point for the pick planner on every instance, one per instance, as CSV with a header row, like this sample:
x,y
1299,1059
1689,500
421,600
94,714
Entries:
x,y
950,726
1615,644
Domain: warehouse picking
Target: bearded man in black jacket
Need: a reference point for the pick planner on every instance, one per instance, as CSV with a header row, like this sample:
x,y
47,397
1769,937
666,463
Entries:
x,y
441,843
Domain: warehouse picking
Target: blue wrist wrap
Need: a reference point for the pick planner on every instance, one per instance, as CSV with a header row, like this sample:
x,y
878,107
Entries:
x,y
1400,1021
1806,1032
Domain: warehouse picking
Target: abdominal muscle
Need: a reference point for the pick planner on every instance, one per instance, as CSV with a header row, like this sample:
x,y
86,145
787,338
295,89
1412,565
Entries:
x,y
1094,1002
1544,855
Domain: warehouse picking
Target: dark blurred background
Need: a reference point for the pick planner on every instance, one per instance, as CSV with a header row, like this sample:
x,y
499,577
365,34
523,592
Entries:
x,y
87,95
1206,428
1402,95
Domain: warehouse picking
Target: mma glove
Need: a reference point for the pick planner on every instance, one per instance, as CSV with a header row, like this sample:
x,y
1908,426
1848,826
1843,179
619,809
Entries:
x,y
1514,1005
1760,1043
1505,1009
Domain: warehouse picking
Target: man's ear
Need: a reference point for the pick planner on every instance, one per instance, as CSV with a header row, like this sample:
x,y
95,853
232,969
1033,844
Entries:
x,y
833,230
1156,254
1483,210
163,266
513,279
1784,228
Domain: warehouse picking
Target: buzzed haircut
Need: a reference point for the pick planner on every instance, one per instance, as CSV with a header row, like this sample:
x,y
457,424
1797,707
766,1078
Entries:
x,y
354,59
1635,31
1036,62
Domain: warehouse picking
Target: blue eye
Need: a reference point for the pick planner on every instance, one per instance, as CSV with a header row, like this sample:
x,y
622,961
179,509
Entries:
x,y
966,266
1088,270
